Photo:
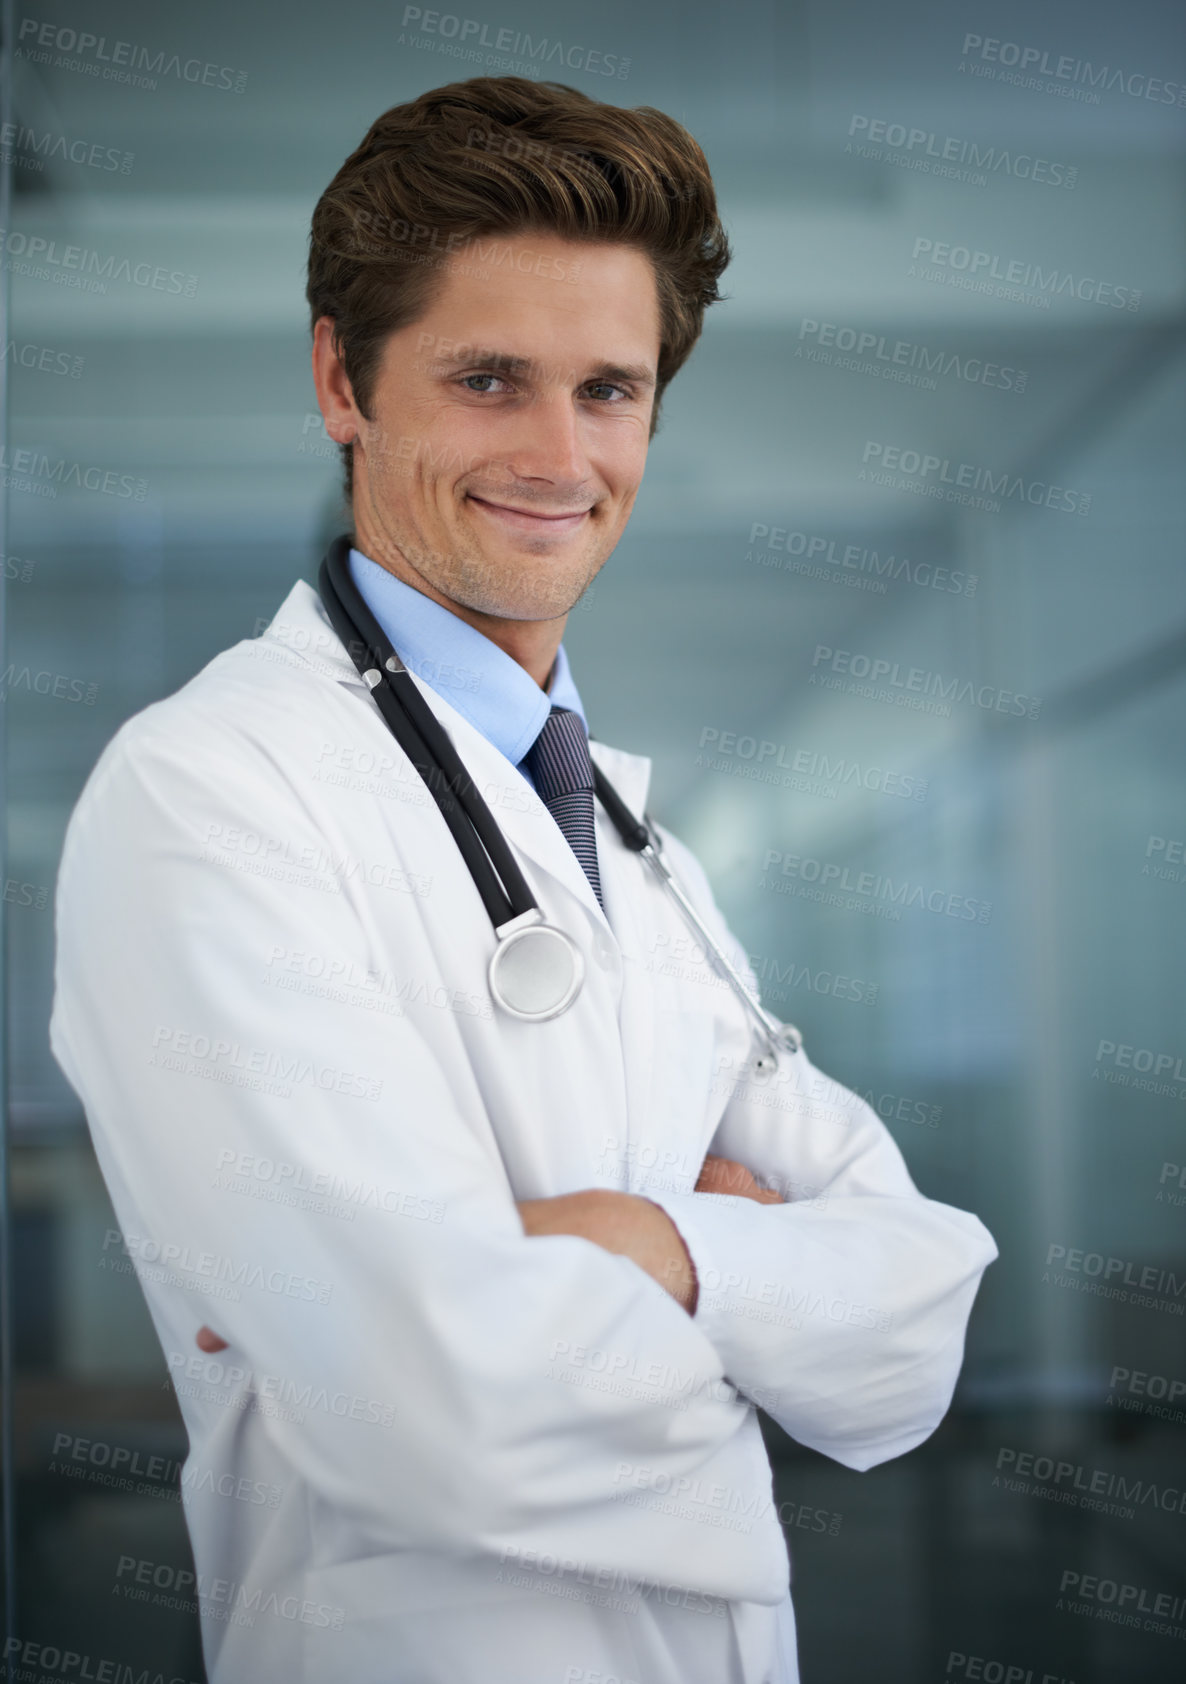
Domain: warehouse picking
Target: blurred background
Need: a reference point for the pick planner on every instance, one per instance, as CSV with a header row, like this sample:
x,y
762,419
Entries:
x,y
900,617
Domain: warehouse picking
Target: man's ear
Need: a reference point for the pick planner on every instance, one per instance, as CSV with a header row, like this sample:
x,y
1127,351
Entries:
x,y
335,395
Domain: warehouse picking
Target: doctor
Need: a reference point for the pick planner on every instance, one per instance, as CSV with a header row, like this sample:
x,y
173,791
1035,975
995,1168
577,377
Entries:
x,y
468,1314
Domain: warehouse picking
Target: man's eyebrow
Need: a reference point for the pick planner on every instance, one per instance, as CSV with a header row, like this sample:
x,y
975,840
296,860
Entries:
x,y
467,356
637,374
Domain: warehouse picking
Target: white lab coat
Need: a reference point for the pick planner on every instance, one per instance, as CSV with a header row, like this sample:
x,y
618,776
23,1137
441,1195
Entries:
x,y
438,1451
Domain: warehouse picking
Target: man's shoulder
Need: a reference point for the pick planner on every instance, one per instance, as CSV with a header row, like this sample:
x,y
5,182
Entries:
x,y
245,698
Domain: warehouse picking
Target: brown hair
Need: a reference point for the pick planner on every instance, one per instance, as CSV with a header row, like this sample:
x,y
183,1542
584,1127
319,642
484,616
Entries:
x,y
501,154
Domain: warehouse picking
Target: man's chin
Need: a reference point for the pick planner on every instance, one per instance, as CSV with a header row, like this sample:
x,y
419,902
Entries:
x,y
509,605
526,586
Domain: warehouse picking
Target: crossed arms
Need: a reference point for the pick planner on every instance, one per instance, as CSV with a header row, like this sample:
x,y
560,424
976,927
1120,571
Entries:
x,y
625,1224
841,1309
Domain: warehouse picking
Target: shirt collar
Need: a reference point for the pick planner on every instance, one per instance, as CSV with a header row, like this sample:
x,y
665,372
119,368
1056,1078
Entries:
x,y
485,684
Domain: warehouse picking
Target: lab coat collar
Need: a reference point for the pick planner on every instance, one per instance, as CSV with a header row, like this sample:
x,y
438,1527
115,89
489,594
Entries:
x,y
303,627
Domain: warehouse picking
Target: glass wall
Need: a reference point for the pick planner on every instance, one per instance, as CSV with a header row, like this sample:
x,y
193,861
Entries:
x,y
900,618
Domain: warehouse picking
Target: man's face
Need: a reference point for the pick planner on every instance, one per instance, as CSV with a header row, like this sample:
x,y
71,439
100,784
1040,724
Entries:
x,y
511,424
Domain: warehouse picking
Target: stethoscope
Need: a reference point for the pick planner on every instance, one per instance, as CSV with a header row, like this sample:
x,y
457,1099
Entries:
x,y
536,969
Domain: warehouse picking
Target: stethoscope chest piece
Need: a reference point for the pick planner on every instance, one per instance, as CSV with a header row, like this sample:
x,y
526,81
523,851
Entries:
x,y
536,971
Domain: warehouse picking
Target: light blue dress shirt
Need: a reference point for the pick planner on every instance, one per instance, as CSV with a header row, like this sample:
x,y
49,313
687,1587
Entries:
x,y
485,684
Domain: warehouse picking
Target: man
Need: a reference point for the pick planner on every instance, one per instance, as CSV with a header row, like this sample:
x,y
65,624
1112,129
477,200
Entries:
x,y
469,1316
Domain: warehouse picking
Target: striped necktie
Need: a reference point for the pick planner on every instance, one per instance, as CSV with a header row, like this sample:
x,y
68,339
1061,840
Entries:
x,y
562,772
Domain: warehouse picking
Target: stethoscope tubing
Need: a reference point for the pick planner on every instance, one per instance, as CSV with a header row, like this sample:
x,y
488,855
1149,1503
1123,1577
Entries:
x,y
414,726
496,874
643,839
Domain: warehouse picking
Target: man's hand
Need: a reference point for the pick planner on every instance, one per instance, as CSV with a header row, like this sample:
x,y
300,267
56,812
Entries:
x,y
726,1175
624,1223
635,1227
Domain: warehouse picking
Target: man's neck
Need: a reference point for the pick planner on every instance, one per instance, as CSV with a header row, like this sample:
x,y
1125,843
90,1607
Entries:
x,y
532,643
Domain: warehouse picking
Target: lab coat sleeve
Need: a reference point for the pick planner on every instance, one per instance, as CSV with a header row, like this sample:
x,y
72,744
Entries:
x,y
842,1312
428,1310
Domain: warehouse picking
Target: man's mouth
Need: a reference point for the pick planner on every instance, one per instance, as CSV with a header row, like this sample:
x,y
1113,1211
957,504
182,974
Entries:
x,y
531,520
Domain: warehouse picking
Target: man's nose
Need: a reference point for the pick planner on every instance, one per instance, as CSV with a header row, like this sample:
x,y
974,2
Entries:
x,y
549,443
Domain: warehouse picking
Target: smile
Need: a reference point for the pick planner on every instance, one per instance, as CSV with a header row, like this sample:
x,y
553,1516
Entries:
x,y
520,520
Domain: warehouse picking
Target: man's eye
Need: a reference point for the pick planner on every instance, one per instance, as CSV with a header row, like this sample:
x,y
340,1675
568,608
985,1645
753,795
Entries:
x,y
606,386
492,378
